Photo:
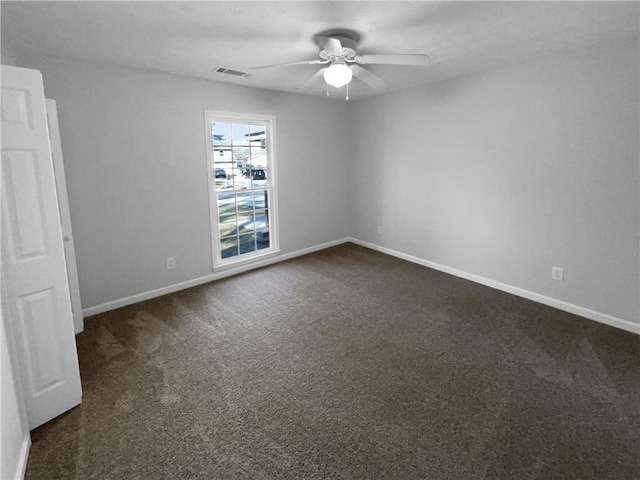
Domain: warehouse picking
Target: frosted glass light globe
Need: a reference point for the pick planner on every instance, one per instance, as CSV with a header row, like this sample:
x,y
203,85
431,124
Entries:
x,y
338,75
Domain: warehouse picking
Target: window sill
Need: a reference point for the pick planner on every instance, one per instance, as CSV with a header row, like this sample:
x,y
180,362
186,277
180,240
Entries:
x,y
247,261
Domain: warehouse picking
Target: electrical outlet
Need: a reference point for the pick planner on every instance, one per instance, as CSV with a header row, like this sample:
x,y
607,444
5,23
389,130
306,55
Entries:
x,y
171,263
557,273
379,229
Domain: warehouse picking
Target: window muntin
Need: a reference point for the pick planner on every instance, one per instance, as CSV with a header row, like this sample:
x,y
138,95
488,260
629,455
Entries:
x,y
241,159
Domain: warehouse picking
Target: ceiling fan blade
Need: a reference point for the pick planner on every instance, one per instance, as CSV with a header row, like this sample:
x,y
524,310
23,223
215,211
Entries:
x,y
331,45
367,77
418,60
307,62
309,82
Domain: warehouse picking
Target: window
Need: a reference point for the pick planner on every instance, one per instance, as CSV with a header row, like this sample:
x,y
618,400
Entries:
x,y
241,169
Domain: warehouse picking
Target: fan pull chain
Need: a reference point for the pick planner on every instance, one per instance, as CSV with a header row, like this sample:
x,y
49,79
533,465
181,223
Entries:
x,y
347,92
327,89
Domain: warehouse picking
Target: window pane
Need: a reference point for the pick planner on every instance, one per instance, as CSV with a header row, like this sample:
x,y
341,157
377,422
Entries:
x,y
258,156
240,134
226,203
221,134
222,154
247,243
262,220
242,182
260,199
226,166
259,172
241,156
221,171
221,181
258,135
240,166
259,178
229,247
262,239
244,201
241,161
245,222
228,225
222,167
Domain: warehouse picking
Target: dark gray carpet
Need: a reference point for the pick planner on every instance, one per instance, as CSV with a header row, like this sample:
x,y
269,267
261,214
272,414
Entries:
x,y
348,364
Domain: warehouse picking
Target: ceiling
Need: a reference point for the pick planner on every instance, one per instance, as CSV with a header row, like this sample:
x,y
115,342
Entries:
x,y
192,38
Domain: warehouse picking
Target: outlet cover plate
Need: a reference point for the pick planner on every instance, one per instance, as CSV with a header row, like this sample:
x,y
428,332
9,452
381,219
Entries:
x,y
557,273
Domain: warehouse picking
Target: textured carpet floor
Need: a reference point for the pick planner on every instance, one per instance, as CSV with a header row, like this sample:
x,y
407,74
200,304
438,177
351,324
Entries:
x,y
347,364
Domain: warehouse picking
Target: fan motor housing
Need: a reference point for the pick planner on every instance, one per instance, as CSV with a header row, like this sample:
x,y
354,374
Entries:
x,y
348,48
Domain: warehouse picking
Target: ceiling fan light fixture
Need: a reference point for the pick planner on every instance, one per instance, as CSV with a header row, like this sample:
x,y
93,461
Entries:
x,y
338,52
338,75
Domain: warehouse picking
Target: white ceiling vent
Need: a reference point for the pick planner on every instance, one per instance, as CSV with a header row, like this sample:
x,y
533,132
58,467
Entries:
x,y
230,71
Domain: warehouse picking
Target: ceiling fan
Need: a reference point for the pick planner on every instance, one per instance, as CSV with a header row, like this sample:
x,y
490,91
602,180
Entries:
x,y
338,50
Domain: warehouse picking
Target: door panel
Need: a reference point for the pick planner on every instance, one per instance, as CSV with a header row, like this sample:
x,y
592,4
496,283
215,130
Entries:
x,y
16,111
33,263
23,197
40,340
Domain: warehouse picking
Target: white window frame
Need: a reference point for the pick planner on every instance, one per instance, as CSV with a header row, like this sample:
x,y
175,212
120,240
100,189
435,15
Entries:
x,y
218,262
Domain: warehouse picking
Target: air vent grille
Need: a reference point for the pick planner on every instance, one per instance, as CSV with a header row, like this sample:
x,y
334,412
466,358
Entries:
x,y
230,71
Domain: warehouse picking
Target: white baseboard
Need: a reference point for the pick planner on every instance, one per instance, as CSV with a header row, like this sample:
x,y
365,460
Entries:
x,y
21,467
122,302
536,297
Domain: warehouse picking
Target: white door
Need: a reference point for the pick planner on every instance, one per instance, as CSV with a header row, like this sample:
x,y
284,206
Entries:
x,y
65,215
33,267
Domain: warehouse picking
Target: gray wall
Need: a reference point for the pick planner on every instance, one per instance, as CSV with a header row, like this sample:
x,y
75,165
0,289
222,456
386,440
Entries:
x,y
8,55
506,173
501,174
134,152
